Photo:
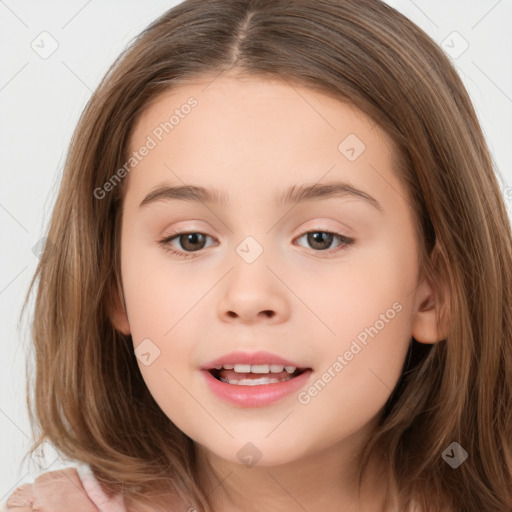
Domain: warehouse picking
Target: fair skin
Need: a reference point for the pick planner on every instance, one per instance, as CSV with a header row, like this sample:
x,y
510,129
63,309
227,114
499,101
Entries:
x,y
255,138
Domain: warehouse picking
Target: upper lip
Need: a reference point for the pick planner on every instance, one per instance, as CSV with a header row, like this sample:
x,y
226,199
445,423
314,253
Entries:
x,y
260,357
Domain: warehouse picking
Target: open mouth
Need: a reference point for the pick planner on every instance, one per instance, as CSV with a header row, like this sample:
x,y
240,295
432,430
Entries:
x,y
254,375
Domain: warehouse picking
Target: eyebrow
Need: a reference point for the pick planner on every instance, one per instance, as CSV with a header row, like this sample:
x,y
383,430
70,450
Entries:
x,y
294,194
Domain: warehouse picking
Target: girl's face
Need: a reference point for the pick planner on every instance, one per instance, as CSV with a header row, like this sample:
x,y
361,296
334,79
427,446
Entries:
x,y
328,282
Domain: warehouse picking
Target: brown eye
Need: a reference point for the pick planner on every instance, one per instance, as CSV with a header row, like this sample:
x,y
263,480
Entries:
x,y
189,242
322,240
192,241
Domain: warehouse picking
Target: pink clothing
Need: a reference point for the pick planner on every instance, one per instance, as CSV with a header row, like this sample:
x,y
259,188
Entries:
x,y
61,491
97,496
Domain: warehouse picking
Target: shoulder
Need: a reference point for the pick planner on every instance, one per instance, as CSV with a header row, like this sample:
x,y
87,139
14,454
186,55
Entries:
x,y
60,491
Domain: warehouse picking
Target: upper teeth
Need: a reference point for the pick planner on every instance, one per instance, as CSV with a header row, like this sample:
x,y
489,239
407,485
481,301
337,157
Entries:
x,y
257,368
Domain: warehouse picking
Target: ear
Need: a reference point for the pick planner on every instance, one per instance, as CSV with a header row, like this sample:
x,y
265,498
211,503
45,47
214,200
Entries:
x,y
432,316
119,317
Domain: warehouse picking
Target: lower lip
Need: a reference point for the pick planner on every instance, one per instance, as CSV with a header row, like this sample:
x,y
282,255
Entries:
x,y
255,396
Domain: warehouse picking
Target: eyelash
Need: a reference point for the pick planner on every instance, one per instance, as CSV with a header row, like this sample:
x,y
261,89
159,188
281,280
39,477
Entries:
x,y
165,242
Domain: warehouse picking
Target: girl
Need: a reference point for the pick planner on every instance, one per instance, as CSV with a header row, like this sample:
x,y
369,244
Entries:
x,y
340,336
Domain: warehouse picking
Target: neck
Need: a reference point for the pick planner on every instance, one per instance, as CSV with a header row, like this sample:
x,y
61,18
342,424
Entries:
x,y
325,480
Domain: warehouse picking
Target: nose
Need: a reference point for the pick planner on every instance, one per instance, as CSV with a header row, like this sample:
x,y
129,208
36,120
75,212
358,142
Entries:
x,y
253,293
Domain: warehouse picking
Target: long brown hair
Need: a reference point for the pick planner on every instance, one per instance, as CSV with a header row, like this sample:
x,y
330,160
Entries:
x,y
89,396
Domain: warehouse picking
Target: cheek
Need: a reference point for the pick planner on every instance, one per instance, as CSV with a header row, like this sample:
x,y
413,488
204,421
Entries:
x,y
157,306
367,306
357,378
358,366
153,291
366,287
159,319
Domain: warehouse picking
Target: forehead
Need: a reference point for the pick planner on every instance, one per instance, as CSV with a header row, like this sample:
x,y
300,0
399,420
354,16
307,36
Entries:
x,y
260,106
257,134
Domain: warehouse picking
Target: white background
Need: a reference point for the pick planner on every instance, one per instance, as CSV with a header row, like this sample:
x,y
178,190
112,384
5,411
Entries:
x,y
41,100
